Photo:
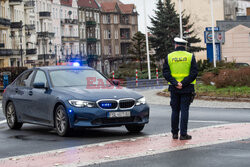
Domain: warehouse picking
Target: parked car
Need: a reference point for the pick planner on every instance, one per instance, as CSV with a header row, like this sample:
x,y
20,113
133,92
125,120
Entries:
x,y
66,97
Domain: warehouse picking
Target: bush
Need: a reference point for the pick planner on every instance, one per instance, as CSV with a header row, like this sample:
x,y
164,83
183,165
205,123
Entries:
x,y
15,72
228,77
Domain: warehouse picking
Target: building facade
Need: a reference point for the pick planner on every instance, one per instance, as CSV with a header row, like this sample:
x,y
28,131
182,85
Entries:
x,y
243,8
69,30
119,23
89,32
45,33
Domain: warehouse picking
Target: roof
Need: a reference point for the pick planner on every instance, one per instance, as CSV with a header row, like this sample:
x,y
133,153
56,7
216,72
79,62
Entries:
x,y
126,8
66,2
108,6
88,4
48,68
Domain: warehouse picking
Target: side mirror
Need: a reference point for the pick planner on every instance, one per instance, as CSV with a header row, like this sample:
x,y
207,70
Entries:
x,y
39,85
116,82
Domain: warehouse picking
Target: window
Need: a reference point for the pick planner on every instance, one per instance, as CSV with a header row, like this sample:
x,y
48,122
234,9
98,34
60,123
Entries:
x,y
117,50
115,19
109,34
116,34
25,79
40,77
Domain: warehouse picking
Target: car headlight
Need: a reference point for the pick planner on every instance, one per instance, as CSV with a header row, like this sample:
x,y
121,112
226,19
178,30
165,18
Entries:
x,y
81,103
140,101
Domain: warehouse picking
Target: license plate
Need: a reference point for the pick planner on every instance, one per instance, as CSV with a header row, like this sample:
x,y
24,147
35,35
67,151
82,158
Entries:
x,y
119,114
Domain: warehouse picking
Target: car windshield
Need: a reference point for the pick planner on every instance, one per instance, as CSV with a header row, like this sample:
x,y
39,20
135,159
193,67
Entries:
x,y
70,78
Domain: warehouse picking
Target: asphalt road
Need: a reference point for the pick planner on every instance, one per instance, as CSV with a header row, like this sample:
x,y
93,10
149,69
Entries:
x,y
34,139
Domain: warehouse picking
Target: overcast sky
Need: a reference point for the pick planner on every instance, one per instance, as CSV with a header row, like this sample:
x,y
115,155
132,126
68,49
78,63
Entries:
x,y
150,6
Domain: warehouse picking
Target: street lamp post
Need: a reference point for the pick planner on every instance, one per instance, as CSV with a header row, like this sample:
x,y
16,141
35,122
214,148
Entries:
x,y
147,45
180,13
212,16
21,45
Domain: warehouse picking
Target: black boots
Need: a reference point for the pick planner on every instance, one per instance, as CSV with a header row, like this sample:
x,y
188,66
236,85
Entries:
x,y
186,137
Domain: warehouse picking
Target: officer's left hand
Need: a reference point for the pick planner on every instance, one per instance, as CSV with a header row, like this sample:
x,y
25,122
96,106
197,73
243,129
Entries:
x,y
179,85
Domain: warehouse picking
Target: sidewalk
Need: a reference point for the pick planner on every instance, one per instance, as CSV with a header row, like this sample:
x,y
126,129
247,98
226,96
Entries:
x,y
152,98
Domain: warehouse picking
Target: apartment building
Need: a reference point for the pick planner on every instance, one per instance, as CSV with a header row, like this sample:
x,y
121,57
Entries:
x,y
69,30
89,32
119,22
17,43
45,33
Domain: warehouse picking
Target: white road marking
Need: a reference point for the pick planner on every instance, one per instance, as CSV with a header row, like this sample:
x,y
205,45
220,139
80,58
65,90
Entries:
x,y
202,121
3,122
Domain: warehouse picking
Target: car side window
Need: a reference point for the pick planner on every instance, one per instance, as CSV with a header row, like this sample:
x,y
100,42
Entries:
x,y
40,77
25,79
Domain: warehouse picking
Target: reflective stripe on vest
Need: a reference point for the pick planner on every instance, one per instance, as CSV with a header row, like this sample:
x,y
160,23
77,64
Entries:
x,y
180,63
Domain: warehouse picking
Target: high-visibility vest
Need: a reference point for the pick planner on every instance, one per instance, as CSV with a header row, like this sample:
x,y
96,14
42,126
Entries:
x,y
180,63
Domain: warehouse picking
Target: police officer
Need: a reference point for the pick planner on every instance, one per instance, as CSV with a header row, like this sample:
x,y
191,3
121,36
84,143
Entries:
x,y
180,70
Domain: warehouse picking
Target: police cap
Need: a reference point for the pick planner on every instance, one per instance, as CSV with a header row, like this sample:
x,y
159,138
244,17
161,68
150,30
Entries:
x,y
180,41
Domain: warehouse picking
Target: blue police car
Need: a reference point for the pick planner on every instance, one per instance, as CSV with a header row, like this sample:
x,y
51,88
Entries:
x,y
66,97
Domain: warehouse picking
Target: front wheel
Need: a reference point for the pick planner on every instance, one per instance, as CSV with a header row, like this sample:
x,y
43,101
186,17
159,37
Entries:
x,y
134,128
61,121
11,117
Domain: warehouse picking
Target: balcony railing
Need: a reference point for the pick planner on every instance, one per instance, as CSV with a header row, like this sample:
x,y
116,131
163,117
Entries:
x,y
29,27
91,23
29,61
2,45
6,52
29,4
16,25
31,51
92,56
45,34
70,39
91,40
69,21
15,2
4,22
47,56
44,14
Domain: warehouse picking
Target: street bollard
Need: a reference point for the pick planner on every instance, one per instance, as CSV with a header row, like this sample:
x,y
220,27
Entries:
x,y
136,75
157,76
113,73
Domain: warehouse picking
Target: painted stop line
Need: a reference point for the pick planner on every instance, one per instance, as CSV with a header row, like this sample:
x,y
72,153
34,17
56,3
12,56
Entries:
x,y
130,148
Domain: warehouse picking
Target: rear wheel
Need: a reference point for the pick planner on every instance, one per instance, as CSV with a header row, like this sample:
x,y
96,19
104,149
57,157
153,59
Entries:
x,y
11,117
134,128
61,121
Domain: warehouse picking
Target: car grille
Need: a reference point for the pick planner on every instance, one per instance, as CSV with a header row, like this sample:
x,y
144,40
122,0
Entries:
x,y
108,104
102,121
123,104
113,104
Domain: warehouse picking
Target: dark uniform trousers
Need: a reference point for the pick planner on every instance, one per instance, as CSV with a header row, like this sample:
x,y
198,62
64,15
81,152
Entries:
x,y
180,103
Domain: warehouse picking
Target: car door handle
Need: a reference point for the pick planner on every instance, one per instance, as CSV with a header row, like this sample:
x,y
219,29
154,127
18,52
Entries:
x,y
30,93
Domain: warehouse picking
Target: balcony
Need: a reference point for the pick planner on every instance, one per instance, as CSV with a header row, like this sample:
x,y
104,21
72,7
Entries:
x,y
70,39
29,61
6,52
47,56
15,2
90,23
31,51
45,15
91,39
93,56
16,25
30,27
29,4
44,35
69,21
4,23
